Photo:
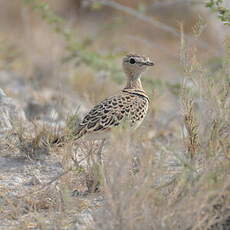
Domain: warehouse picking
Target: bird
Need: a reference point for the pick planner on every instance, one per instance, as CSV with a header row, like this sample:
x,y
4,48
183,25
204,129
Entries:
x,y
127,108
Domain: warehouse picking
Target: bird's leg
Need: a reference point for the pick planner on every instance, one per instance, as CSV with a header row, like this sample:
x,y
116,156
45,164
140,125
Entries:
x,y
99,152
94,177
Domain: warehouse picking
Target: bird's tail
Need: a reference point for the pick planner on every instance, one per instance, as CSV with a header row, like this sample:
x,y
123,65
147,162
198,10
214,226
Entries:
x,y
63,139
59,141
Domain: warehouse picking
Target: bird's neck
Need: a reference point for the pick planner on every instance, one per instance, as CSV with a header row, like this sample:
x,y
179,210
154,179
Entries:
x,y
134,83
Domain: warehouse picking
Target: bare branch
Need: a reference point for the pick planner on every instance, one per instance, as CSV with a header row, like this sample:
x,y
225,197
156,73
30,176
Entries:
x,y
153,22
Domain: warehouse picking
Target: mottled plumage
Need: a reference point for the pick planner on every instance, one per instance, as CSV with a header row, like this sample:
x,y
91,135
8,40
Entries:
x,y
128,107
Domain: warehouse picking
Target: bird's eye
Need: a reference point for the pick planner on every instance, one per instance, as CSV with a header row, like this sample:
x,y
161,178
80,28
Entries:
x,y
132,61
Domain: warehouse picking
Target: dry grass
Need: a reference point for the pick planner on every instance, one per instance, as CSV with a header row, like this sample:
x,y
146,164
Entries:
x,y
172,173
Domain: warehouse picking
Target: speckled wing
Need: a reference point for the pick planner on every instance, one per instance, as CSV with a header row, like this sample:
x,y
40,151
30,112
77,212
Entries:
x,y
111,112
105,115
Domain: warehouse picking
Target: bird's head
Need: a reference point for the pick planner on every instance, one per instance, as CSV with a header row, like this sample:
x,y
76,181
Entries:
x,y
134,65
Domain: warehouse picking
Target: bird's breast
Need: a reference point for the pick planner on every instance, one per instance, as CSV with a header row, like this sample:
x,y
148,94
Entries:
x,y
138,113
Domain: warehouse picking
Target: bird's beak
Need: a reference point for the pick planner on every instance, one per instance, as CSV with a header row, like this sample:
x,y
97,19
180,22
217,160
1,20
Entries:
x,y
148,63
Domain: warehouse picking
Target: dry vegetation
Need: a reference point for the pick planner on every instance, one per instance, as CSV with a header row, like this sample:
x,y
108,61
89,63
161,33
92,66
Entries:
x,y
55,62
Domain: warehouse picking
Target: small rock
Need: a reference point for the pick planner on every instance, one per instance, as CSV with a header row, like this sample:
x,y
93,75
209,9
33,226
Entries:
x,y
33,181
